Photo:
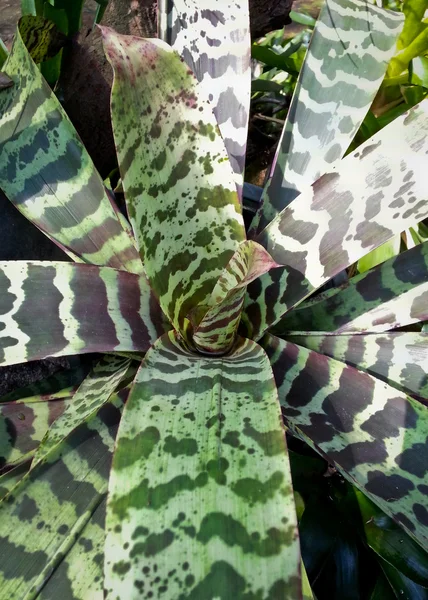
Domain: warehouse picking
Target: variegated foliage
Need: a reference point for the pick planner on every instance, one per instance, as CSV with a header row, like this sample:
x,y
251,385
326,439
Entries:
x,y
200,500
214,41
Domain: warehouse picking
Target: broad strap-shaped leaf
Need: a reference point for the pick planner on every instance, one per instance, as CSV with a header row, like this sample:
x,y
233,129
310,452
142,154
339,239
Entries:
x,y
178,183
9,479
372,433
200,482
46,511
47,174
394,294
386,539
350,49
55,309
23,425
217,329
365,200
94,392
214,40
79,576
400,359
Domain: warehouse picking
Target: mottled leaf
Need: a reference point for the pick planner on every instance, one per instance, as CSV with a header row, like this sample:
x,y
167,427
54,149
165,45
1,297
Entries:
x,y
399,359
351,46
94,393
392,295
41,37
200,497
55,309
216,330
372,433
178,182
23,424
46,511
214,40
79,576
47,174
365,200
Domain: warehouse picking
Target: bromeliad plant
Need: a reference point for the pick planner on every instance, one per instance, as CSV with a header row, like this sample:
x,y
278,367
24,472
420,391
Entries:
x,y
200,499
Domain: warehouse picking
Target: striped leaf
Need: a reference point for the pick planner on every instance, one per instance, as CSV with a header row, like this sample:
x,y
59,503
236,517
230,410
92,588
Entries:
x,y
79,576
217,329
369,197
9,479
41,37
24,423
399,359
48,509
177,179
47,174
371,432
200,498
351,47
394,294
94,392
55,309
214,40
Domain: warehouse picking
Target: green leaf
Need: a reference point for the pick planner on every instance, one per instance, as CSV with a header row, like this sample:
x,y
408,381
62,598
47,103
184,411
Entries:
x,y
372,433
79,576
368,198
217,329
379,255
333,94
420,71
9,479
213,39
399,359
414,11
41,37
272,59
47,510
264,85
404,588
73,9
302,19
178,182
94,392
55,309
386,538
391,295
3,53
306,586
48,175
382,589
204,488
24,423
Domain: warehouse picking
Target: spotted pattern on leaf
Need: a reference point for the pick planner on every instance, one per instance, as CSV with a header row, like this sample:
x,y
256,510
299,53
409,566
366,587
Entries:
x,y
215,44
176,175
366,199
200,499
217,329
391,295
350,49
48,175
375,435
46,511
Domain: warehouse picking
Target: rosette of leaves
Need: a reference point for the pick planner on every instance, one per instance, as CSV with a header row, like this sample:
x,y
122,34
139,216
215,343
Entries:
x,y
166,473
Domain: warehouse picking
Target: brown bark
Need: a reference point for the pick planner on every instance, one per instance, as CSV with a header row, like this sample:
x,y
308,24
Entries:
x,y
267,15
